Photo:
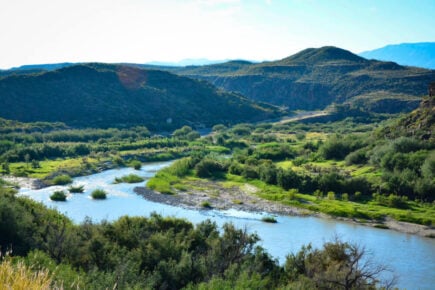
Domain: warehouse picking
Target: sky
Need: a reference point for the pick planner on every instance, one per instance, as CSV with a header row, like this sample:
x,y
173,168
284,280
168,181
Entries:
x,y
140,31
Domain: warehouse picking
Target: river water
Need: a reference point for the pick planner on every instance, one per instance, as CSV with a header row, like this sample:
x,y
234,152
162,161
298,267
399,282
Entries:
x,y
411,257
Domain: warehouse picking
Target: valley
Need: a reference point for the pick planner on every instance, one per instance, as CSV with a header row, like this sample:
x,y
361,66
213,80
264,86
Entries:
x,y
323,137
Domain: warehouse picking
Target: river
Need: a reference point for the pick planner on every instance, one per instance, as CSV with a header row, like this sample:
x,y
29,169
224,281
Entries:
x,y
411,257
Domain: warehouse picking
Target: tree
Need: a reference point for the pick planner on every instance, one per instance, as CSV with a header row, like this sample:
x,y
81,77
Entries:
x,y
338,265
288,179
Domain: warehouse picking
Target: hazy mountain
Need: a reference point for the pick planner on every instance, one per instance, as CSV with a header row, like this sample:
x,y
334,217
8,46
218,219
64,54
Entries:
x,y
412,54
33,68
105,95
317,77
187,62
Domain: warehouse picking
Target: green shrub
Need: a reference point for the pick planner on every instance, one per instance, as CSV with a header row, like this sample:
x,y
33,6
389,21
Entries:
x,y
180,167
208,167
62,179
206,204
161,183
345,197
330,195
58,196
136,164
76,189
269,219
131,178
99,194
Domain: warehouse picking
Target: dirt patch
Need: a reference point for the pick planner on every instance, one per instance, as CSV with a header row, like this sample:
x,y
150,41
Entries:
x,y
220,197
25,182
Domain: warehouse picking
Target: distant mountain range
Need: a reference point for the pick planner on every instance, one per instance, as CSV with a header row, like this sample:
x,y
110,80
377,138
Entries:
x,y
420,54
103,95
187,62
317,77
167,97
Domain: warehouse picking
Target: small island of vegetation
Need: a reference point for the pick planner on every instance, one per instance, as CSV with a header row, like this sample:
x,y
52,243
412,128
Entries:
x,y
58,195
131,178
76,189
99,194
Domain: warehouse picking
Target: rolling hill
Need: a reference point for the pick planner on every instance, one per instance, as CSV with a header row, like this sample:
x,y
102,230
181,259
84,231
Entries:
x,y
420,123
103,95
317,77
421,54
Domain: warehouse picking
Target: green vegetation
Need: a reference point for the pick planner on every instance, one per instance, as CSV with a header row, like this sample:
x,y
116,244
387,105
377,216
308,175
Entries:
x,y
122,96
156,252
206,204
353,173
58,196
315,78
99,194
62,179
131,178
76,189
136,164
269,219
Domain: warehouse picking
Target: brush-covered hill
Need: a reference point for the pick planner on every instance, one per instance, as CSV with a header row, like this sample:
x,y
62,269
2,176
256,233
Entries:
x,y
102,95
317,77
420,123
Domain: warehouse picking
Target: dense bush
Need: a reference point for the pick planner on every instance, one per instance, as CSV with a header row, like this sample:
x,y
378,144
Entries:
x,y
99,194
58,196
209,167
337,147
62,179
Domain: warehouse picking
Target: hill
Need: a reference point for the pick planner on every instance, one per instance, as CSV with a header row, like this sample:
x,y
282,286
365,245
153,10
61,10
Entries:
x,y
420,123
317,77
420,54
102,95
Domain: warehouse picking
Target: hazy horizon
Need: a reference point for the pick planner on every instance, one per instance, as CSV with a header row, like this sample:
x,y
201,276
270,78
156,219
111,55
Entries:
x,y
143,31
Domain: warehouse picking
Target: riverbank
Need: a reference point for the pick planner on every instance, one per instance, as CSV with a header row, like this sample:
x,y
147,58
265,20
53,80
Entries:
x,y
212,195
25,182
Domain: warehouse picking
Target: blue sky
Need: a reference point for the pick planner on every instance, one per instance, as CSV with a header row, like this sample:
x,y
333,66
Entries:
x,y
49,31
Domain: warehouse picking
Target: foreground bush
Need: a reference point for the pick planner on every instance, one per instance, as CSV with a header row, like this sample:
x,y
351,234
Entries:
x,y
21,277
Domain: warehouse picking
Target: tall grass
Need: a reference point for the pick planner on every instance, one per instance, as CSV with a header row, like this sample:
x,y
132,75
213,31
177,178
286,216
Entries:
x,y
166,178
21,277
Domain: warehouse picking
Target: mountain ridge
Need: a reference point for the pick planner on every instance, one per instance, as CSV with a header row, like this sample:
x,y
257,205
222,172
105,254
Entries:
x,y
317,77
420,54
106,95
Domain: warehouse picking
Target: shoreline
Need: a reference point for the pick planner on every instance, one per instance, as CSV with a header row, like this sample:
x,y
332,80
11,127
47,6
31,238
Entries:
x,y
25,182
250,203
242,199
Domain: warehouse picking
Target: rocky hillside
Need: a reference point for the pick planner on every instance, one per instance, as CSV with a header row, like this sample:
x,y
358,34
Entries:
x,y
101,95
316,78
419,123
